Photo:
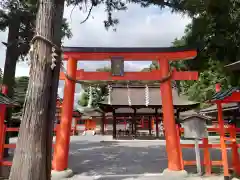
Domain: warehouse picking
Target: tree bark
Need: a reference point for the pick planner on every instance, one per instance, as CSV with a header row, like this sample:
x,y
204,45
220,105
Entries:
x,y
32,158
11,55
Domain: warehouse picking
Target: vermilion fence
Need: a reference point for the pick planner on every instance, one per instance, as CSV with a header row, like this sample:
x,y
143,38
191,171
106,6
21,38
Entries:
x,y
7,146
206,146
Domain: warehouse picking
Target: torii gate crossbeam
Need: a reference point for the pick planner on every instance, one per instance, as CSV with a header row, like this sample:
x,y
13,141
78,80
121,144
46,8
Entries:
x,y
162,55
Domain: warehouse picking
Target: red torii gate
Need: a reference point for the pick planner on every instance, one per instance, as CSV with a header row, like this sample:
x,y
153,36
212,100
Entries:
x,y
163,55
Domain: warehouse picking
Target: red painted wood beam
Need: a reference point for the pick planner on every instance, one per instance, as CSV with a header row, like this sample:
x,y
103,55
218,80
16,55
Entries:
x,y
235,97
131,76
130,56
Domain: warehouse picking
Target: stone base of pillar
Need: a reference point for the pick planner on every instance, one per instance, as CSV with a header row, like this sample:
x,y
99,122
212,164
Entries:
x,y
178,175
58,175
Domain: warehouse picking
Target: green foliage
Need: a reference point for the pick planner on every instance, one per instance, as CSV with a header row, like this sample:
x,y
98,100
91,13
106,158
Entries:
x,y
98,95
104,69
20,89
215,27
98,92
24,11
203,89
83,101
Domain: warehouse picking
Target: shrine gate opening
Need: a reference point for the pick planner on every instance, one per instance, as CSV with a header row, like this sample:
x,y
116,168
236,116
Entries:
x,y
164,75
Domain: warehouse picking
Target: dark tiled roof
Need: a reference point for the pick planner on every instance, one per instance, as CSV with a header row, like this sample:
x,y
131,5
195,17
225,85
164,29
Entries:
x,y
6,100
90,112
150,111
119,97
235,66
200,116
223,94
128,49
225,106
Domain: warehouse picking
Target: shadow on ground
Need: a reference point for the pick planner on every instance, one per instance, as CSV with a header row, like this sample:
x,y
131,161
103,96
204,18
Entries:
x,y
120,160
124,158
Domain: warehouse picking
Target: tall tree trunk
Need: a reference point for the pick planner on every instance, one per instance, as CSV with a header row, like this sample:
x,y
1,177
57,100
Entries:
x,y
32,158
11,56
11,59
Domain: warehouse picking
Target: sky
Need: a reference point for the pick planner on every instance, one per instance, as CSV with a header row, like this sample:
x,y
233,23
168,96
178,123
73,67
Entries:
x,y
138,27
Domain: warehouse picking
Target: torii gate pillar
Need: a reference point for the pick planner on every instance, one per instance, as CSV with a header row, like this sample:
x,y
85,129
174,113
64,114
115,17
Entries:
x,y
172,142
61,149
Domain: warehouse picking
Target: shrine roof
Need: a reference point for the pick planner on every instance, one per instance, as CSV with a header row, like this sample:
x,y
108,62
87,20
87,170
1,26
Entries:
x,y
222,95
7,101
119,98
128,49
213,108
235,66
90,112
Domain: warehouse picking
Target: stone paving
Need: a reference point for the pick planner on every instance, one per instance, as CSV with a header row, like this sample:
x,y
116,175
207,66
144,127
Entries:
x,y
90,159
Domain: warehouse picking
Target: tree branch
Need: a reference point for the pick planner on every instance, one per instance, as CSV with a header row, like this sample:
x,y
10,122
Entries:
x,y
88,15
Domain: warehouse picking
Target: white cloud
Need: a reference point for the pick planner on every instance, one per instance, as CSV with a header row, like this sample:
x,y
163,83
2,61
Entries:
x,y
138,27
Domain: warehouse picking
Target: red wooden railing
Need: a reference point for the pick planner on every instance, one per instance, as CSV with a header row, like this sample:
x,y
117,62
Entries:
x,y
207,162
8,146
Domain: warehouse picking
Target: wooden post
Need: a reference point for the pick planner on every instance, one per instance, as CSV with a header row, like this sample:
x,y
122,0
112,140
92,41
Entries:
x,y
198,159
150,126
75,126
222,141
135,123
178,129
103,124
222,136
114,133
207,160
125,123
142,122
60,158
132,125
157,123
152,122
2,125
235,155
172,144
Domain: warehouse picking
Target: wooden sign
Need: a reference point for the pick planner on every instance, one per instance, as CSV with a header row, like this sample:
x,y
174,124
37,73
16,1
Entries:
x,y
117,66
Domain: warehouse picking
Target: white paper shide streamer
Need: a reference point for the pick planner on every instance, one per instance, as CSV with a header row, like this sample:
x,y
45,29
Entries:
x,y
146,95
109,94
54,55
129,96
90,97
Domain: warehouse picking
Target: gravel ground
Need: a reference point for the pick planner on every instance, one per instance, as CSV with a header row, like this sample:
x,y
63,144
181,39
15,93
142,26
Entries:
x,y
90,158
100,158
